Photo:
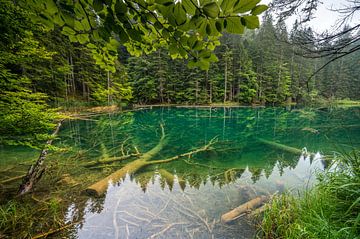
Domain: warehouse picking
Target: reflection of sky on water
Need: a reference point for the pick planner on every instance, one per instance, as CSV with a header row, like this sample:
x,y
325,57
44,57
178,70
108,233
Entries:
x,y
129,212
240,168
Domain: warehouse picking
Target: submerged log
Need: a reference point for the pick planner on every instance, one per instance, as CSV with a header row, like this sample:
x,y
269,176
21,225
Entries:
x,y
36,170
100,187
283,147
243,209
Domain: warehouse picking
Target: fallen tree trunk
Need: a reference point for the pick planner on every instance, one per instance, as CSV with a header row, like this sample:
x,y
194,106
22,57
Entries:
x,y
283,147
100,187
244,208
36,170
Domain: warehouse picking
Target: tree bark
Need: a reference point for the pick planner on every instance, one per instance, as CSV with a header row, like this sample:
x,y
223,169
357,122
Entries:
x,y
243,209
284,147
100,187
36,170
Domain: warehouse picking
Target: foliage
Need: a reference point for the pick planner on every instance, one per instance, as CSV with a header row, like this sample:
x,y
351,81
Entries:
x,y
186,28
24,115
330,209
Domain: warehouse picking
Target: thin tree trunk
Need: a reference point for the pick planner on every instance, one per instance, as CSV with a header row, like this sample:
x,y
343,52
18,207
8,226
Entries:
x,y
108,87
36,170
225,81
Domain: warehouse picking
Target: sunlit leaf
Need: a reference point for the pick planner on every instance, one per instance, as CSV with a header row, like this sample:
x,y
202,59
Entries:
x,y
211,9
259,9
245,5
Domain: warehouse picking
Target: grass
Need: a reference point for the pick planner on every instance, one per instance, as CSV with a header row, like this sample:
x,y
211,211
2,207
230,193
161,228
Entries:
x,y
331,209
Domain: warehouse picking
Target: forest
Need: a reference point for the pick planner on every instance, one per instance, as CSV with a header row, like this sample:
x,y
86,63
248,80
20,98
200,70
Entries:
x,y
44,69
225,94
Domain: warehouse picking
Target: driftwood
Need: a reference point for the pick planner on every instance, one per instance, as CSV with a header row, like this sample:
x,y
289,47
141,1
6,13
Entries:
x,y
36,170
244,209
283,147
100,187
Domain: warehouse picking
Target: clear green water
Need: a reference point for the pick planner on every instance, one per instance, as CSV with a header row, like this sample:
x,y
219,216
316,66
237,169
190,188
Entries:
x,y
146,205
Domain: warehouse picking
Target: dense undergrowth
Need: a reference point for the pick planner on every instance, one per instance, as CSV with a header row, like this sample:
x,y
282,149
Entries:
x,y
331,209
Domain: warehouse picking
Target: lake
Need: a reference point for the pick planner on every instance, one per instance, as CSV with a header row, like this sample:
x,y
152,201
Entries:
x,y
252,152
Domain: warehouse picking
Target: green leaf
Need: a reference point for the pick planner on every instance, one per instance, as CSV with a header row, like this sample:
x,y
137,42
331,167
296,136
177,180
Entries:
x,y
67,31
198,45
68,19
219,25
245,5
91,46
82,38
165,2
58,20
79,11
120,7
227,6
134,34
211,10
233,25
95,35
189,7
259,9
78,26
179,14
85,24
191,41
211,29
251,22
98,5
73,38
51,7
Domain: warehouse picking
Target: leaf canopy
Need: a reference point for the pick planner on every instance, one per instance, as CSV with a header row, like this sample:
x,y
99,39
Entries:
x,y
184,27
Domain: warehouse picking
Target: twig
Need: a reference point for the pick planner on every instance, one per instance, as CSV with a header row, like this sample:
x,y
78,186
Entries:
x,y
134,216
188,154
166,229
53,231
12,179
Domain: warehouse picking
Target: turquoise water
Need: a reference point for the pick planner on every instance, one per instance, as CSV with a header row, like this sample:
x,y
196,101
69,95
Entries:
x,y
200,188
146,205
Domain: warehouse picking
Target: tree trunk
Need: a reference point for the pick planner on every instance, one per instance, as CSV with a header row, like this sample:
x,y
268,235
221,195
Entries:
x,y
243,209
225,80
36,170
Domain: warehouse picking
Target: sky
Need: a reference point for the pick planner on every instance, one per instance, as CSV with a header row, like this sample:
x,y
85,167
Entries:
x,y
325,19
